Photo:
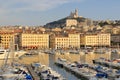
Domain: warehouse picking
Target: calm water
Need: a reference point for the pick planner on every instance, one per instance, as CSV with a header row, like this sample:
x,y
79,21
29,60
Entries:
x,y
62,71
49,60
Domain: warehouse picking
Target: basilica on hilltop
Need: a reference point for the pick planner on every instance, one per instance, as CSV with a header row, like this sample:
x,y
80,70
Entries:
x,y
74,14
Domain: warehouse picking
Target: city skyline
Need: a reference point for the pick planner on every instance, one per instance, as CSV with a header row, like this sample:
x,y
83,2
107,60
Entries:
x,y
37,12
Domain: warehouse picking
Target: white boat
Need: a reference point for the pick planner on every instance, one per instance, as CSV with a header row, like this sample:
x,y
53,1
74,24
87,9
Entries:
x,y
117,78
5,53
12,70
51,75
46,73
19,73
94,78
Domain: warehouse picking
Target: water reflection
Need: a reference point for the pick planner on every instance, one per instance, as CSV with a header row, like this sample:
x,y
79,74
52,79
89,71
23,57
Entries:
x,y
45,59
62,71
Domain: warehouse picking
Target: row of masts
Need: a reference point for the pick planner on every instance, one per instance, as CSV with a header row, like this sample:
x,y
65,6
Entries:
x,y
10,53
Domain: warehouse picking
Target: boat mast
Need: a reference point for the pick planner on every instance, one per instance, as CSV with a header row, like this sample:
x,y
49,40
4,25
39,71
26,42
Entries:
x,y
12,47
10,53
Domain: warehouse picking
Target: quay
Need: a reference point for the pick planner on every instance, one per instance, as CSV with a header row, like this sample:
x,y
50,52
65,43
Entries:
x,y
31,71
74,71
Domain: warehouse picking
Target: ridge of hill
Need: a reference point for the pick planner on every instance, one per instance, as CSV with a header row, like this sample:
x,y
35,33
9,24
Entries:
x,y
61,23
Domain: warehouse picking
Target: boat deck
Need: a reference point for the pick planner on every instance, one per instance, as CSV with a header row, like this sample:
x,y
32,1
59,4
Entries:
x,y
34,75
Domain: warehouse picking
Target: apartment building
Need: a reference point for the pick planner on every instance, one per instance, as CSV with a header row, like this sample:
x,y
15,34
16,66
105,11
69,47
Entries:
x,y
115,40
65,42
34,41
61,42
74,40
7,39
104,39
98,40
71,22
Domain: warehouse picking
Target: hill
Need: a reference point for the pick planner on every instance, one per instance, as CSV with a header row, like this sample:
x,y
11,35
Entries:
x,y
61,23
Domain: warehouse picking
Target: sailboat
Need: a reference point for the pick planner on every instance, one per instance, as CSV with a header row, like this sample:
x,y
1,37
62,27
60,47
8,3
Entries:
x,y
12,70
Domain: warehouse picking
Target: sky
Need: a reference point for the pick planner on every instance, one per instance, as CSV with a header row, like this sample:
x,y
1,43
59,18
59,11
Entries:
x,y
40,12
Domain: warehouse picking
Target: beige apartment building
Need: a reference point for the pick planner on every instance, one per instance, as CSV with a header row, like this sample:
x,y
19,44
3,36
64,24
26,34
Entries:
x,y
115,40
98,40
71,22
74,40
8,39
34,41
61,42
65,42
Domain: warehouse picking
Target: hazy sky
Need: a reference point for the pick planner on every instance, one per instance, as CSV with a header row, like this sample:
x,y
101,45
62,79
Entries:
x,y
40,12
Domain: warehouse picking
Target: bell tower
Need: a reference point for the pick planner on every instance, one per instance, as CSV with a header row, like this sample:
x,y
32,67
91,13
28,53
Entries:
x,y
76,13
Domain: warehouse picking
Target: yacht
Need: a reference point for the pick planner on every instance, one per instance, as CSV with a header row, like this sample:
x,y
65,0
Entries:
x,y
5,53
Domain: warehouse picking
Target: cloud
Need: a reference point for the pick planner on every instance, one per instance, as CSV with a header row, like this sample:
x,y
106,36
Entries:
x,y
31,5
21,11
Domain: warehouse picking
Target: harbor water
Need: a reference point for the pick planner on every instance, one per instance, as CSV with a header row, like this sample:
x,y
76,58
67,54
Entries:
x,y
49,59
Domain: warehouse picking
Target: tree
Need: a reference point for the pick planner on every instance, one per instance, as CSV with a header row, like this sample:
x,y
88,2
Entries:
x,y
103,23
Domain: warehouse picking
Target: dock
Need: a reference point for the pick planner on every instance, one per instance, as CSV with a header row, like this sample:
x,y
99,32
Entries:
x,y
73,71
31,71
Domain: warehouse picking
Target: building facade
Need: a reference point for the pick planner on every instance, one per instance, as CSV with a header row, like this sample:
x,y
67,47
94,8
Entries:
x,y
115,40
61,42
96,40
65,42
7,39
34,41
74,40
71,22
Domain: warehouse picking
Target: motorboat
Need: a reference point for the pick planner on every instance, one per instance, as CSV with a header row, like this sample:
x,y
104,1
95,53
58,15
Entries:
x,y
45,72
6,53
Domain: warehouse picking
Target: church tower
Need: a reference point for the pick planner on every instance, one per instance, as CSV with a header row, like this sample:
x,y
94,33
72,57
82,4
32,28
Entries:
x,y
76,13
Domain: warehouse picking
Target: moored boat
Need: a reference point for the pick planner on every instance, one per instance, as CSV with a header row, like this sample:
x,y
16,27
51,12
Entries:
x,y
5,53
